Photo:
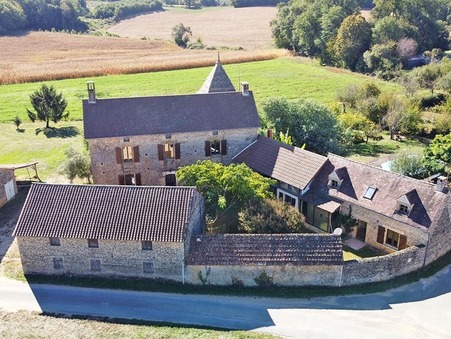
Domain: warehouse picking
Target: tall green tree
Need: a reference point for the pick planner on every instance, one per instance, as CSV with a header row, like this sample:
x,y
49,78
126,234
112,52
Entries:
x,y
353,39
224,187
48,105
410,164
309,123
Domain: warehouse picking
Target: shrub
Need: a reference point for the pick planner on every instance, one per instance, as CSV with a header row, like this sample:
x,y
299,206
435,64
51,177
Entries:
x,y
432,101
264,280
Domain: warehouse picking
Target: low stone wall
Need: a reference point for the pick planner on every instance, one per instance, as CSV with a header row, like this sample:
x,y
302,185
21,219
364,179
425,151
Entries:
x,y
383,268
288,275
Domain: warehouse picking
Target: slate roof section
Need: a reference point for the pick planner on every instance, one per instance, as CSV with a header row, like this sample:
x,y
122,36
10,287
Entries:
x,y
217,81
289,164
120,117
265,249
428,204
106,212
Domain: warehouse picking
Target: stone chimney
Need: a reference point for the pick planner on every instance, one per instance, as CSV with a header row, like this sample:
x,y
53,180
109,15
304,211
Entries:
x,y
269,133
245,88
91,92
442,184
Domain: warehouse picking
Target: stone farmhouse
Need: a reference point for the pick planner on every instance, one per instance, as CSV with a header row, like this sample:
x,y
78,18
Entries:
x,y
144,140
391,211
108,230
117,228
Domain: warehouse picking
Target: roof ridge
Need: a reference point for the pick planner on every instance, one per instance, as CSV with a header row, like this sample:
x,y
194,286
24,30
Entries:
x,y
381,169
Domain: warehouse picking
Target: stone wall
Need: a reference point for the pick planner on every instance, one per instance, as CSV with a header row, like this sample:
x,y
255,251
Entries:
x,y
288,275
106,170
415,235
117,258
383,268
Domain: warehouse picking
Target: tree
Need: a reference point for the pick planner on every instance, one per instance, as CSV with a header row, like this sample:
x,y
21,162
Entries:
x,y
383,60
181,35
77,165
17,121
48,105
12,17
353,39
224,187
437,156
427,76
391,29
270,216
309,123
409,164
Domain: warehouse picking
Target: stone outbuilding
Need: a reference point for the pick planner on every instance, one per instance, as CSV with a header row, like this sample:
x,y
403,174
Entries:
x,y
266,259
8,187
108,230
144,140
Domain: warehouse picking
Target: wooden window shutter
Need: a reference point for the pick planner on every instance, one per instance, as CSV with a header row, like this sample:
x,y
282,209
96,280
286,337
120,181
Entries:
x,y
380,235
160,152
402,242
207,148
138,179
121,179
119,155
177,150
136,154
223,147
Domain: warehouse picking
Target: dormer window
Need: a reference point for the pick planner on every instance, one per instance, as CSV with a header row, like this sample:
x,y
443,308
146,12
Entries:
x,y
333,184
335,180
403,209
404,205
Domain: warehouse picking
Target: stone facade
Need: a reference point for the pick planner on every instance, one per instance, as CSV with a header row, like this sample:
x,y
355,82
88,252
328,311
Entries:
x,y
415,236
282,275
117,258
8,186
108,167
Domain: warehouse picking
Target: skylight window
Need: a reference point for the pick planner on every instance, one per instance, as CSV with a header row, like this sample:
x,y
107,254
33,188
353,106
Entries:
x,y
369,194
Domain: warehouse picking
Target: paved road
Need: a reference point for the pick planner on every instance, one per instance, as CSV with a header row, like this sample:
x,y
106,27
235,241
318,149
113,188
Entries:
x,y
419,310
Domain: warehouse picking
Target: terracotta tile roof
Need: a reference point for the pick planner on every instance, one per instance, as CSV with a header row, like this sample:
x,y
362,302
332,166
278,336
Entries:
x,y
106,212
289,164
217,81
428,204
169,114
265,249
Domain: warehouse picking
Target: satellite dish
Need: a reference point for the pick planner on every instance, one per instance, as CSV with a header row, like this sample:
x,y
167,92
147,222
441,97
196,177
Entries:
x,y
338,231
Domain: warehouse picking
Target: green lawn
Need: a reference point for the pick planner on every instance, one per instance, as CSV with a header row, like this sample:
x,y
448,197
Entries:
x,y
34,144
289,77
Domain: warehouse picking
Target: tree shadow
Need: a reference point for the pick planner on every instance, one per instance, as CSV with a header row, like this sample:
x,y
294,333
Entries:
x,y
20,130
62,132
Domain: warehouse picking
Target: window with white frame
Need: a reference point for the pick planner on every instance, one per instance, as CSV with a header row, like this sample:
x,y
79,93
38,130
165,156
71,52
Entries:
x,y
287,198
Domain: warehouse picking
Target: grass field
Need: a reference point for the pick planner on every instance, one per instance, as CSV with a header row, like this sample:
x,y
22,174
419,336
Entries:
x,y
34,325
292,77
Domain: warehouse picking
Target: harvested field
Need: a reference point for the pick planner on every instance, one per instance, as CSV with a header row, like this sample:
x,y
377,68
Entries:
x,y
247,28
43,56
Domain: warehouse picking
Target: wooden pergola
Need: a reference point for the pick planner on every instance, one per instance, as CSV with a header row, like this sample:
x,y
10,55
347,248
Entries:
x,y
27,165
